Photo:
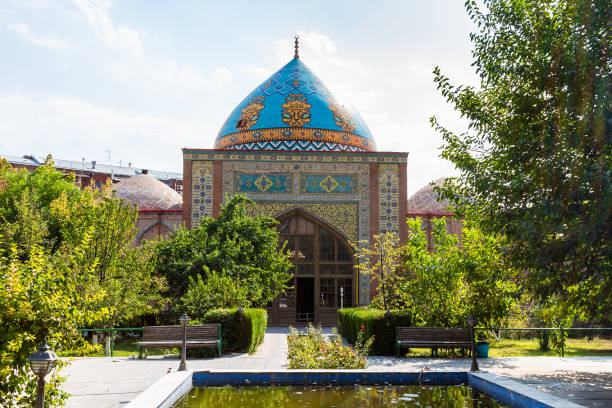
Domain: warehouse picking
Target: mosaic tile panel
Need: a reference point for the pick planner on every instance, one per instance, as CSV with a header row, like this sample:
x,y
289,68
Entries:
x,y
201,191
342,216
348,212
388,194
329,183
360,194
263,183
279,135
295,156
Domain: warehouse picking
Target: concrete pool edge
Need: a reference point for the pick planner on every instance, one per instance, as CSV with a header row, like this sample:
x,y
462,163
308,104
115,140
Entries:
x,y
171,387
515,394
164,392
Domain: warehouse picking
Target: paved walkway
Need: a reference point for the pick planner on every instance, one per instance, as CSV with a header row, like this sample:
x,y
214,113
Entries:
x,y
113,382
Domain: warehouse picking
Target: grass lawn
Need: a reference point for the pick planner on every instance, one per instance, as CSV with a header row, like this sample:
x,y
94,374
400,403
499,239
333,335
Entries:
x,y
527,348
125,349
573,348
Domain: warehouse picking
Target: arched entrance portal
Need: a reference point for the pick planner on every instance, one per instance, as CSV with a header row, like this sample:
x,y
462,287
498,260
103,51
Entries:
x,y
323,264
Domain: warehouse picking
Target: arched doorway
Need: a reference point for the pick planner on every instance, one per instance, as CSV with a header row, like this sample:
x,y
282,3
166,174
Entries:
x,y
323,269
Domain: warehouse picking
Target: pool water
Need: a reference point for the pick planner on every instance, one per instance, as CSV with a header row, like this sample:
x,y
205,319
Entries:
x,y
449,396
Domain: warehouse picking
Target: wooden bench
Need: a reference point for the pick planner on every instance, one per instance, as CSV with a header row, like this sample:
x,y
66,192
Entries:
x,y
431,337
167,337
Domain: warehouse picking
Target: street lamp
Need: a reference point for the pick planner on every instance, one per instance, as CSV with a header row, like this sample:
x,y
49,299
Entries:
x,y
41,363
184,319
471,322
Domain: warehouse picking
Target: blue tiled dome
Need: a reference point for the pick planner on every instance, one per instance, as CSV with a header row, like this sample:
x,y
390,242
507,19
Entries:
x,y
293,110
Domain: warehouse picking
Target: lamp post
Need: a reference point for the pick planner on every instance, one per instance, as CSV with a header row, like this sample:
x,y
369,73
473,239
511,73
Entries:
x,y
388,315
471,322
41,363
341,297
184,319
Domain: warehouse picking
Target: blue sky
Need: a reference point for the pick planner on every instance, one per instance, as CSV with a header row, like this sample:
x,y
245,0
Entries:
x,y
146,78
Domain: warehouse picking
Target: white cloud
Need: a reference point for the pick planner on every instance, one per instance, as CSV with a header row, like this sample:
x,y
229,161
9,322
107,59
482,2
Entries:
x,y
70,128
97,13
175,76
26,32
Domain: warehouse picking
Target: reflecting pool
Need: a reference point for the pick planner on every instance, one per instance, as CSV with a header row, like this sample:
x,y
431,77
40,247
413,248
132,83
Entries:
x,y
449,396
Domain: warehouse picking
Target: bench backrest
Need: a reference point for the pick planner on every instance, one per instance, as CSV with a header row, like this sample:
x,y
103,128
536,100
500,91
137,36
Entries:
x,y
432,334
175,332
204,331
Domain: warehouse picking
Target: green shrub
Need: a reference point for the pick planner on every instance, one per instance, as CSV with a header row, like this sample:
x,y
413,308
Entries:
x,y
312,351
374,324
218,290
239,333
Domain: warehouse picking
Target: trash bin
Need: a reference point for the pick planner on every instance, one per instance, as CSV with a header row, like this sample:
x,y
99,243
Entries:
x,y
482,349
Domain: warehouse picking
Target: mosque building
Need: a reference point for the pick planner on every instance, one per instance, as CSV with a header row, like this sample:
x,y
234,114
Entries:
x,y
310,162
305,159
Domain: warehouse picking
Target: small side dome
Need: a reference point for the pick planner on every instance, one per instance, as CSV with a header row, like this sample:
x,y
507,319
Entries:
x,y
426,200
148,193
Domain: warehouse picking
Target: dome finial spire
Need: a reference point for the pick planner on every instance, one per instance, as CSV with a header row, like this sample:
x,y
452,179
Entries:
x,y
296,55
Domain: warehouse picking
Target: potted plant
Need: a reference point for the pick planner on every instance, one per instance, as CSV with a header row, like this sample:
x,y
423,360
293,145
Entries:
x,y
482,344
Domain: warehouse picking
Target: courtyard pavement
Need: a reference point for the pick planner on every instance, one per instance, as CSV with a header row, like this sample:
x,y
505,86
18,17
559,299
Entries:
x,y
114,381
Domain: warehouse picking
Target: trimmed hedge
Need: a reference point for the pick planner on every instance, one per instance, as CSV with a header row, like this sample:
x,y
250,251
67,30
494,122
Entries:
x,y
375,323
239,334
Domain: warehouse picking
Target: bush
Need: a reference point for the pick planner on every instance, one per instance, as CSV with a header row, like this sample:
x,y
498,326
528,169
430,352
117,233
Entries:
x,y
239,333
217,291
312,351
375,324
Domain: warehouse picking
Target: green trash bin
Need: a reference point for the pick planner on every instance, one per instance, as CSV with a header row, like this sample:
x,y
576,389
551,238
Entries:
x,y
482,349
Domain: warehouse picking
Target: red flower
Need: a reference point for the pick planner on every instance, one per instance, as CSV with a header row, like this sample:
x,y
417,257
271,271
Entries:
x,y
362,327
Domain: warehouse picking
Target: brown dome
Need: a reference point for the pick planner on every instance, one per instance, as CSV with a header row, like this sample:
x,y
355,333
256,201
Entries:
x,y
426,200
148,193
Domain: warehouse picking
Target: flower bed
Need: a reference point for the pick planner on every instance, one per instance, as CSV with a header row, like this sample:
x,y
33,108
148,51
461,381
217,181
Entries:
x,y
311,350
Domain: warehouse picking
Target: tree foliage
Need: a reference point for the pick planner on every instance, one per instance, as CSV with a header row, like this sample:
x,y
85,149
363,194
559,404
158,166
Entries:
x,y
536,162
381,262
444,286
66,261
217,291
241,248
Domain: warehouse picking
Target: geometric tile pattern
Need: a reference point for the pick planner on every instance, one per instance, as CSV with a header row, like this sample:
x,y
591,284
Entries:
x,y
388,198
329,183
324,138
263,183
202,191
254,155
340,215
353,184
297,146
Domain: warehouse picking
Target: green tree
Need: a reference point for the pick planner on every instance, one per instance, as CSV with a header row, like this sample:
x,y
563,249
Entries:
x,y
381,262
243,248
536,162
444,286
46,296
217,291
66,261
125,273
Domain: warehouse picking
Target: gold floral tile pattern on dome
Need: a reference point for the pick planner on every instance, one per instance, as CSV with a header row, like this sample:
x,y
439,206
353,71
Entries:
x,y
294,134
201,191
342,216
388,198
